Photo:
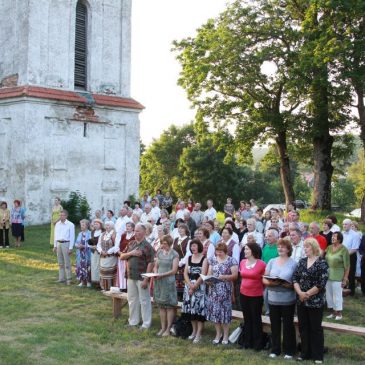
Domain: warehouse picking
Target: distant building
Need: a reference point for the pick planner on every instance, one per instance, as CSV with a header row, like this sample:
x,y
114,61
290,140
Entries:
x,y
67,119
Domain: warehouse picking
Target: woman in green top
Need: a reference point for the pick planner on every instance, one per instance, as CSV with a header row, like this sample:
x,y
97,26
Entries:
x,y
56,213
338,259
164,291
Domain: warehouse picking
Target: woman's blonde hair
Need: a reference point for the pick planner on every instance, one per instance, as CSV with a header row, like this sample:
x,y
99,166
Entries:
x,y
314,244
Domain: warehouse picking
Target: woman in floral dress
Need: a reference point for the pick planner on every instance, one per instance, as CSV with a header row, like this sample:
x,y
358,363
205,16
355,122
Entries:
x,y
219,301
83,254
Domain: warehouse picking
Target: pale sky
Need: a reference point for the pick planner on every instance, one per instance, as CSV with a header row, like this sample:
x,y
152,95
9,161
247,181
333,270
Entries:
x,y
155,24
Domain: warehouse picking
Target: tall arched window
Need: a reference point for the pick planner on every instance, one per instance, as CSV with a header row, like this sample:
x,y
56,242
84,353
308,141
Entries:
x,y
81,46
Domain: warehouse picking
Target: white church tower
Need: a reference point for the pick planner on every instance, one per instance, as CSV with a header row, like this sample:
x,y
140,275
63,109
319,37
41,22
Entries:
x,y
67,119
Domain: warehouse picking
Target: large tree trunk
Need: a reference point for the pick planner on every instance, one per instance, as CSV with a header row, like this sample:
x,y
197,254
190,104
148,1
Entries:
x,y
323,171
359,89
285,171
322,141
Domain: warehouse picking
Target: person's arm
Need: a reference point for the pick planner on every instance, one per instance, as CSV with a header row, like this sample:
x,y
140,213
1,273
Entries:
x,y
346,265
72,237
98,245
145,281
186,276
232,276
355,245
301,295
210,252
236,253
127,255
268,282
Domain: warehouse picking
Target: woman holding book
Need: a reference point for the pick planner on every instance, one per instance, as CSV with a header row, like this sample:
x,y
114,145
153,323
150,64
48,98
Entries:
x,y
219,300
164,292
281,297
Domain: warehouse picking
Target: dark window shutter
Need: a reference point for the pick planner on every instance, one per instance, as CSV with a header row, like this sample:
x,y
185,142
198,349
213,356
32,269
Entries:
x,y
81,46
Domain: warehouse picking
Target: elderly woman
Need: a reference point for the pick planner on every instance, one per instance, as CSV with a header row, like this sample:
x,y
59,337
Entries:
x,y
4,225
219,300
181,247
55,217
122,247
164,218
17,221
281,299
233,249
252,290
310,280
83,254
161,230
96,232
338,260
194,291
149,231
164,293
108,260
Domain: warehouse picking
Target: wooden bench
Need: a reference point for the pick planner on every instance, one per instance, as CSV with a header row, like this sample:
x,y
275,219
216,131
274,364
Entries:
x,y
120,300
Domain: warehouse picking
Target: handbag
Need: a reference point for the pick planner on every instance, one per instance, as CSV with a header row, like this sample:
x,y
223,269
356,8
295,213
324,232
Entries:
x,y
233,338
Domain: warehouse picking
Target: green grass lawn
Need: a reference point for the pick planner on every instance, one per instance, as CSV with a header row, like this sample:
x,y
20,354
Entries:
x,y
42,322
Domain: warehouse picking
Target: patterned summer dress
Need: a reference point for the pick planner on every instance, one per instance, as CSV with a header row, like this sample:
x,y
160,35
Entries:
x,y
219,301
195,304
83,257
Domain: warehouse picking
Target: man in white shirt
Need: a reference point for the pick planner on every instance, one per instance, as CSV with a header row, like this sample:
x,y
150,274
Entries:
x,y
64,240
251,228
351,240
120,224
155,211
146,216
210,213
297,244
180,213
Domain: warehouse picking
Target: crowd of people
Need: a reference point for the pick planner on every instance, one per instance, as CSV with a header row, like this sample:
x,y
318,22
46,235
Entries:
x,y
256,262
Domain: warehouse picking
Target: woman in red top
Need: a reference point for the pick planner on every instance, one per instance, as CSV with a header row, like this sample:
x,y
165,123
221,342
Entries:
x,y
251,270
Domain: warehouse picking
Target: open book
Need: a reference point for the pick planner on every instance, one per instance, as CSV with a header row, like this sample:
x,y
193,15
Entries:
x,y
268,277
149,275
210,279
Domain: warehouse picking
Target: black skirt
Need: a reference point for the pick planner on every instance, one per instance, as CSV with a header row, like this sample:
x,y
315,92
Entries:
x,y
16,229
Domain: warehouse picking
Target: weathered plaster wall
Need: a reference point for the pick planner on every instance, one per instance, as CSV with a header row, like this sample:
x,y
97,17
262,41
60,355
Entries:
x,y
44,153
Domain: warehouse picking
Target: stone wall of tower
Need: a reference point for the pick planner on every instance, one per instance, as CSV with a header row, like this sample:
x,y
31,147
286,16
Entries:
x,y
37,40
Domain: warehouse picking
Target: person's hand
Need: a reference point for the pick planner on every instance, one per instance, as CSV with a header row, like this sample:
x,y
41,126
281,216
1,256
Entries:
x,y
344,282
70,252
136,253
144,284
54,249
286,285
157,277
302,296
191,292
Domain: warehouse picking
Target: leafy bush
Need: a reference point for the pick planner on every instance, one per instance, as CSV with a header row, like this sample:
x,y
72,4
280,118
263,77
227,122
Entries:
x,y
77,206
